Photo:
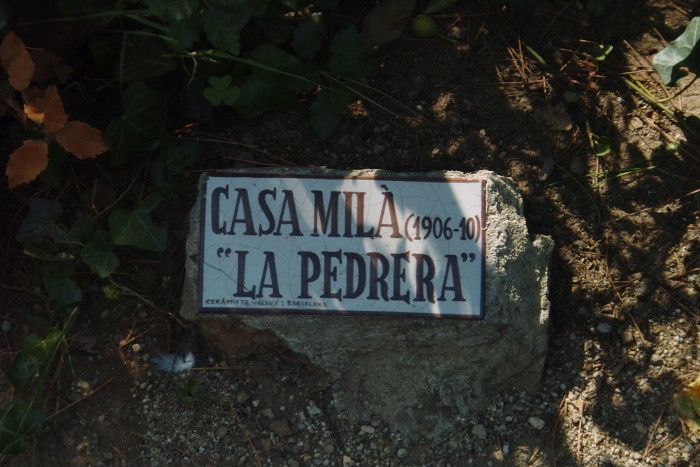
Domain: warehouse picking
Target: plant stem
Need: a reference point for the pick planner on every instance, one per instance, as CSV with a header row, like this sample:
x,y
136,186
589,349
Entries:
x,y
647,96
254,64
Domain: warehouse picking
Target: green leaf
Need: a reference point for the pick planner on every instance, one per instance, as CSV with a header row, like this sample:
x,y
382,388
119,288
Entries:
x,y
173,10
20,419
325,112
144,57
223,23
81,230
259,96
686,405
110,292
77,8
59,286
185,32
602,147
308,36
188,392
180,155
683,52
41,252
99,256
220,83
140,127
40,221
135,228
599,51
221,90
44,349
274,57
22,370
438,5
175,157
10,442
348,57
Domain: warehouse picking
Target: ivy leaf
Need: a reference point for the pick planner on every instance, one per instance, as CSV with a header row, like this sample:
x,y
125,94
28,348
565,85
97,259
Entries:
x,y
274,57
16,61
348,57
58,285
135,228
20,419
186,31
144,58
140,127
40,221
27,420
22,370
43,349
99,256
325,112
175,158
308,36
223,21
682,52
27,162
173,10
81,140
259,96
81,230
179,156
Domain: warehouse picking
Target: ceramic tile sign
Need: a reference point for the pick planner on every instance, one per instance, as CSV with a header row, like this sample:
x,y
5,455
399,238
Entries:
x,y
353,246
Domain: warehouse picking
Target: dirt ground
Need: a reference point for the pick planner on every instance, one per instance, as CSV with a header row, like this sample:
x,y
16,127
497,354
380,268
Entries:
x,y
625,276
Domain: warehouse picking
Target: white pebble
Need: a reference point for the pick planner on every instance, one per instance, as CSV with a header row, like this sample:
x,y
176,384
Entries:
x,y
536,422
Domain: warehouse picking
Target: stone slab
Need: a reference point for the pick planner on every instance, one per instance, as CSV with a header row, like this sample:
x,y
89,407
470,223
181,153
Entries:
x,y
416,373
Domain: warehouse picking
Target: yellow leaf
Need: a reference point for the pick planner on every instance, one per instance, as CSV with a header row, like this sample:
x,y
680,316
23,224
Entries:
x,y
20,71
10,48
27,162
81,140
16,60
46,108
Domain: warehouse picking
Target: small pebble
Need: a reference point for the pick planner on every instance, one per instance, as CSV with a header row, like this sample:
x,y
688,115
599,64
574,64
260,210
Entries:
x,y
281,428
479,431
536,422
402,453
84,385
313,409
604,328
